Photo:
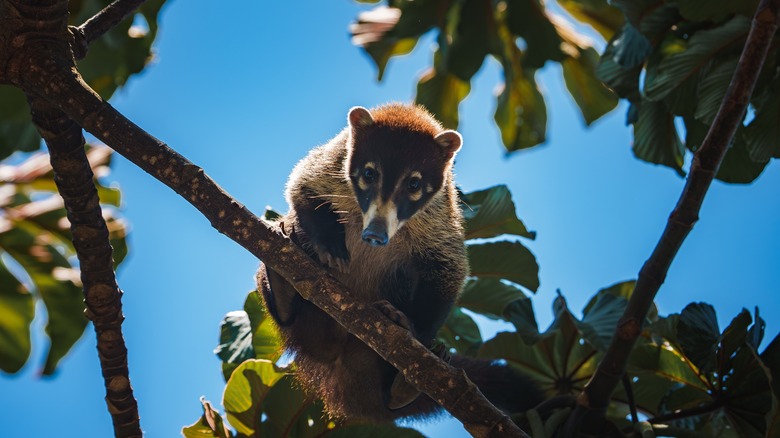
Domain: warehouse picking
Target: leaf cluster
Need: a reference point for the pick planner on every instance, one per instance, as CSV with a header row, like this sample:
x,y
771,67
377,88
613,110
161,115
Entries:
x,y
520,35
673,61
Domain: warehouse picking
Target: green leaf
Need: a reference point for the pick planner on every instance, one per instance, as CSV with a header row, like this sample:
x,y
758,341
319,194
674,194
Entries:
x,y
599,323
771,358
560,361
715,10
734,336
235,338
712,87
508,260
528,20
762,134
386,32
623,80
245,393
702,47
604,18
18,310
17,132
491,213
636,10
471,39
521,113
291,412
592,97
655,136
441,94
489,296
461,333
210,425
737,167
266,341
670,364
698,334
521,314
756,331
747,395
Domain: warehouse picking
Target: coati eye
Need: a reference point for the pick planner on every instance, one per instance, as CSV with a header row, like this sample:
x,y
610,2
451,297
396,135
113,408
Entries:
x,y
413,185
369,174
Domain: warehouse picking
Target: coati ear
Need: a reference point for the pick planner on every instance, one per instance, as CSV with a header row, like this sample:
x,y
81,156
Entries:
x,y
451,141
359,117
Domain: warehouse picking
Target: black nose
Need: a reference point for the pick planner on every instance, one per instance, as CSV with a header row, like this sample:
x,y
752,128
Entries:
x,y
375,234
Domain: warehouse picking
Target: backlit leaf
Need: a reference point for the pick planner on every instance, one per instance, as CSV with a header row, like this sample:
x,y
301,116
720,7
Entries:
x,y
508,260
655,136
441,93
592,97
245,392
698,334
461,333
604,18
491,213
18,310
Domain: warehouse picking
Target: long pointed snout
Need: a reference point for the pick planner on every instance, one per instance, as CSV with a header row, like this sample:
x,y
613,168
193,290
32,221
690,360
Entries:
x,y
375,234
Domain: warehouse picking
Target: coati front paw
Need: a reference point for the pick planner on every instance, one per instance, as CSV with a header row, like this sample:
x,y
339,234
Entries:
x,y
395,315
338,260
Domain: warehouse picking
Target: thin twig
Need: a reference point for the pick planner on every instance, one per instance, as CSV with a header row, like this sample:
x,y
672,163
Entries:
x,y
592,402
74,179
100,23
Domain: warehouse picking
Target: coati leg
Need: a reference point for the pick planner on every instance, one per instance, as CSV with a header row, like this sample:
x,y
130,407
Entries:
x,y
322,233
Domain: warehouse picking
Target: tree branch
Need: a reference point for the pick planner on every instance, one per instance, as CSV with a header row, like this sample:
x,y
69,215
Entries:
x,y
593,401
43,67
101,23
74,179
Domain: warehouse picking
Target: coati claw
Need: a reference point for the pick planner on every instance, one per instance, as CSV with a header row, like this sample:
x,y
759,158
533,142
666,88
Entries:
x,y
395,315
440,349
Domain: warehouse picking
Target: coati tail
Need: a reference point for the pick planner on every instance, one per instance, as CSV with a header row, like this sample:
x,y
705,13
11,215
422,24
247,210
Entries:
x,y
508,389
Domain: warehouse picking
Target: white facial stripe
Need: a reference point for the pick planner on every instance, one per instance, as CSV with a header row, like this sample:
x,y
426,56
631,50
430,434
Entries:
x,y
415,174
415,196
369,215
387,211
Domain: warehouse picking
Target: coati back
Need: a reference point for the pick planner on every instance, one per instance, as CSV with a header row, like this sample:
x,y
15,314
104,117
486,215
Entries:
x,y
377,205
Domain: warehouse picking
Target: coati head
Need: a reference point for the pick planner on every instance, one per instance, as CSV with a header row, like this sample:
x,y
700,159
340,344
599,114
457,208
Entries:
x,y
399,158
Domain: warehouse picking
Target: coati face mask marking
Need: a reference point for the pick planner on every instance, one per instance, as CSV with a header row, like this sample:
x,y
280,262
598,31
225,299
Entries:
x,y
395,172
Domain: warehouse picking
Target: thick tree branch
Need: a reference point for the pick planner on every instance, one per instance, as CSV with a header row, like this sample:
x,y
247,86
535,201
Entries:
x,y
593,401
43,67
74,179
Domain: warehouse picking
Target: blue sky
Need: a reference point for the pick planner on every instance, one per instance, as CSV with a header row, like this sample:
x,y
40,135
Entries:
x,y
246,89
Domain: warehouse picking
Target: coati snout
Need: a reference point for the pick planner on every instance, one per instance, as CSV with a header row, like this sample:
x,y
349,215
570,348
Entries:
x,y
395,171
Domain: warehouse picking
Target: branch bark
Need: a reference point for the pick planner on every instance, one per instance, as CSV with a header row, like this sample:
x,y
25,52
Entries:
x,y
43,67
593,401
74,179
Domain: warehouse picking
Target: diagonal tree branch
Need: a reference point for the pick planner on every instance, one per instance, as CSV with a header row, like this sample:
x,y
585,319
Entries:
x,y
74,179
43,67
592,403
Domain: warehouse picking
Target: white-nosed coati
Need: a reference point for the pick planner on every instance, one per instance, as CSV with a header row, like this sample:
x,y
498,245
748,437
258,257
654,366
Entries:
x,y
378,206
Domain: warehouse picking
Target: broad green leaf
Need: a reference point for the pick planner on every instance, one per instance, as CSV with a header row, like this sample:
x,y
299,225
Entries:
x,y
441,93
734,335
245,393
624,81
702,47
600,321
386,32
461,333
266,341
560,361
489,297
508,260
210,425
762,134
655,136
291,412
737,167
630,48
470,42
592,97
521,314
235,338
668,362
528,20
771,359
636,10
747,394
17,132
715,10
18,310
521,114
491,213
756,332
698,334
604,18
712,87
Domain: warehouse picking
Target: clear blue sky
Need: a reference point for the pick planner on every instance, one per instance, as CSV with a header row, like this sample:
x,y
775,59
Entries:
x,y
245,89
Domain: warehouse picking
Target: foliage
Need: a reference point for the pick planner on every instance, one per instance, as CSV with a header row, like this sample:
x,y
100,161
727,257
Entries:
x,y
37,257
685,373
123,51
671,60
521,35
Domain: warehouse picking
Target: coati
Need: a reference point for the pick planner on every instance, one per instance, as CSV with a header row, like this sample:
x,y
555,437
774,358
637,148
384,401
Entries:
x,y
377,205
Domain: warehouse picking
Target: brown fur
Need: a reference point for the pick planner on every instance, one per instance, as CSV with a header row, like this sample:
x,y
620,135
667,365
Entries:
x,y
420,271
